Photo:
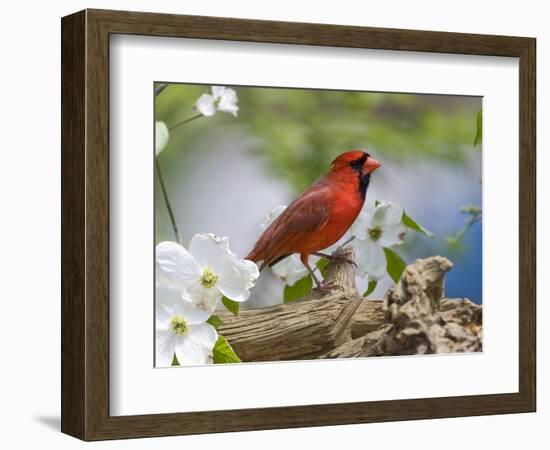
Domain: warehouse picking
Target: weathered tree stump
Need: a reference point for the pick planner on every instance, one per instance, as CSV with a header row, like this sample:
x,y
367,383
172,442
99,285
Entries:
x,y
336,322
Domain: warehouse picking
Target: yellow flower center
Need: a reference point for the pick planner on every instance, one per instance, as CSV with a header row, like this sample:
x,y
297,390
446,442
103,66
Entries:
x,y
208,278
178,325
375,233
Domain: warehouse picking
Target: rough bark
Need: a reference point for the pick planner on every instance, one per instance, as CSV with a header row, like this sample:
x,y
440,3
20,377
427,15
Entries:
x,y
336,322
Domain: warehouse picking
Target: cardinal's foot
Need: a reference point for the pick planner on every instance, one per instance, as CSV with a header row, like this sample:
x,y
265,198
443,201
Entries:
x,y
337,258
342,259
327,288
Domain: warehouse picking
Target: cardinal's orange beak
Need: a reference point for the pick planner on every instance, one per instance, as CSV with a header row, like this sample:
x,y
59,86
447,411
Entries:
x,y
371,165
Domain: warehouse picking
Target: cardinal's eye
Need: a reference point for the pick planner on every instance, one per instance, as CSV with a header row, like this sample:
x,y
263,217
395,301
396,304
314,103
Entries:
x,y
356,164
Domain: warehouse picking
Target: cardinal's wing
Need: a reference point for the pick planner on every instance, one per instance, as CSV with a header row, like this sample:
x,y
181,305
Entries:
x,y
308,214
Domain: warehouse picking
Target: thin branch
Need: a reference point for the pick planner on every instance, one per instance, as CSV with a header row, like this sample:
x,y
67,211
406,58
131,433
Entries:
x,y
459,235
348,241
166,201
185,121
160,87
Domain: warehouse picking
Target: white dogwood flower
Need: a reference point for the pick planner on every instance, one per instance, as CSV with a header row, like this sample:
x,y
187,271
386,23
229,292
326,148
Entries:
x,y
222,99
373,232
290,269
161,136
181,329
206,272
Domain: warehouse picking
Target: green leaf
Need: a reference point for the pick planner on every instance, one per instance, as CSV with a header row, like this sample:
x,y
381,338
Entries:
x,y
215,321
223,352
479,128
322,265
410,223
395,264
231,305
175,361
298,289
370,288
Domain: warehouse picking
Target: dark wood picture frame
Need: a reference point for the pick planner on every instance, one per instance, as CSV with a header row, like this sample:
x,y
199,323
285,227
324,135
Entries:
x,y
85,224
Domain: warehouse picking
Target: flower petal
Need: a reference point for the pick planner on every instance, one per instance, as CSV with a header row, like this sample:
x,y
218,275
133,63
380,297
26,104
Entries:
x,y
290,270
208,249
197,345
393,235
228,101
161,136
203,334
236,277
217,91
166,305
370,259
361,226
175,266
192,313
387,214
165,345
205,105
204,298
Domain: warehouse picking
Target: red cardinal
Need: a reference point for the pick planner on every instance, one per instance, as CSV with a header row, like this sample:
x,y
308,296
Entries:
x,y
321,215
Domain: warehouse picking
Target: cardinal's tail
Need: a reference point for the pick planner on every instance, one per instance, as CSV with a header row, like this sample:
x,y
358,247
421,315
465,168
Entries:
x,y
257,255
253,256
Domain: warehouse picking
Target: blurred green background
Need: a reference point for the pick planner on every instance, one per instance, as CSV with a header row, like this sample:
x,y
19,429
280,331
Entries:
x,y
224,173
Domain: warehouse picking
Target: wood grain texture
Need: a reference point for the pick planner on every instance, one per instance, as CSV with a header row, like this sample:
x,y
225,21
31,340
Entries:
x,y
266,31
527,225
85,223
97,225
336,322
303,329
73,268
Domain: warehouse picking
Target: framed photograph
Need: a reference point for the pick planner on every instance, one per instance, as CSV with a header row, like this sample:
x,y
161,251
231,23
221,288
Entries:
x,y
273,225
